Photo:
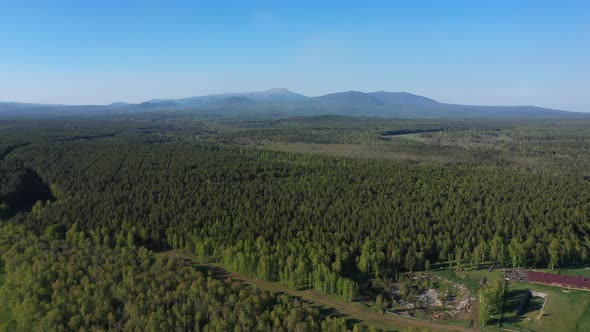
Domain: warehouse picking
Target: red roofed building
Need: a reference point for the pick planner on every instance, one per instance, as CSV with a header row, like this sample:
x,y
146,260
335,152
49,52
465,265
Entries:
x,y
559,280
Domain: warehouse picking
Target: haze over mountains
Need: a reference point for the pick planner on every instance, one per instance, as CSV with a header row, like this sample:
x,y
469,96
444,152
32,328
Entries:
x,y
280,102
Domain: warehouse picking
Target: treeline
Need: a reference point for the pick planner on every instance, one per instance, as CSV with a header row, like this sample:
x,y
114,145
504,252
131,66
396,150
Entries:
x,y
78,284
296,265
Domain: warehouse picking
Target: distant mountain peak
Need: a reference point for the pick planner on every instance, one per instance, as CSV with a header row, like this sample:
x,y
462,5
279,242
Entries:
x,y
349,98
274,94
119,104
279,91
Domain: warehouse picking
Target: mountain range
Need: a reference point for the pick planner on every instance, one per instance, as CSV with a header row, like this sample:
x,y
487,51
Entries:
x,y
280,102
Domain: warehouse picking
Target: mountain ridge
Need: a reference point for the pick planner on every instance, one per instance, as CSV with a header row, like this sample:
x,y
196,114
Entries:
x,y
281,102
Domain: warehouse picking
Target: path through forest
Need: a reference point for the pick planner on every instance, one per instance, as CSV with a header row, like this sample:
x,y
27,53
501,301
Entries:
x,y
355,310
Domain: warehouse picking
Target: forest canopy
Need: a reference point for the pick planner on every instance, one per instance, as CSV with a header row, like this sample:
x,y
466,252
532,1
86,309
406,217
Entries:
x,y
86,214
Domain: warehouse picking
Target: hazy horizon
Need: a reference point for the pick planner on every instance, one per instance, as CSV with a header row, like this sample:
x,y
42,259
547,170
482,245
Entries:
x,y
264,90
501,53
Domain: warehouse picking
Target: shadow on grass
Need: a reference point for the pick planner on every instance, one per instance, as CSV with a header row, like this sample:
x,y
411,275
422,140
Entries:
x,y
513,300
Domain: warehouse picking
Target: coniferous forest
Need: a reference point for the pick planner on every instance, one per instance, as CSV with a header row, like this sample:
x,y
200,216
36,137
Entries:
x,y
93,211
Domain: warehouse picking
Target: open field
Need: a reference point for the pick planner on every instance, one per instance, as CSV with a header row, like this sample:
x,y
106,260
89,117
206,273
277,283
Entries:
x,y
566,310
582,271
388,152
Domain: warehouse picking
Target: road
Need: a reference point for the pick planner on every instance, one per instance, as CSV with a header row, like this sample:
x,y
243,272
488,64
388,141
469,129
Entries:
x,y
353,310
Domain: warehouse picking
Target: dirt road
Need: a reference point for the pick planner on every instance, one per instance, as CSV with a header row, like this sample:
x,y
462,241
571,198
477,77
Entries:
x,y
353,310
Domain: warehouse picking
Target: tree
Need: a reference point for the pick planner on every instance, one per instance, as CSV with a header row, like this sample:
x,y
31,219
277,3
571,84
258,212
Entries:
x,y
497,252
554,253
410,261
490,301
517,253
379,305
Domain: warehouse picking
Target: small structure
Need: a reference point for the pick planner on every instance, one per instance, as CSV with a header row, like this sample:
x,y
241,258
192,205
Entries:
x,y
559,280
545,297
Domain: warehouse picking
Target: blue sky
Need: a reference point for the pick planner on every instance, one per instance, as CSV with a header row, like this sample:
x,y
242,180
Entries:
x,y
476,52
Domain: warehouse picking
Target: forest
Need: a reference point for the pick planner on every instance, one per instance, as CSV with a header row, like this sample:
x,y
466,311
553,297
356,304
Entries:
x,y
328,203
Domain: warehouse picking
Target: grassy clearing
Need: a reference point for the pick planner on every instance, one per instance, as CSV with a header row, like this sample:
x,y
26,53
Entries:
x,y
343,150
584,322
384,151
469,277
583,271
566,310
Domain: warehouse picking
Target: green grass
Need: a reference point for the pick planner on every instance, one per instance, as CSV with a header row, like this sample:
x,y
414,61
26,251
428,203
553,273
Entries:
x,y
584,323
469,277
575,272
4,315
579,271
392,150
566,310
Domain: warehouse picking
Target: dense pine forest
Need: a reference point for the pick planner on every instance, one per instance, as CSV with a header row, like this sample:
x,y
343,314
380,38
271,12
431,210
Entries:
x,y
89,208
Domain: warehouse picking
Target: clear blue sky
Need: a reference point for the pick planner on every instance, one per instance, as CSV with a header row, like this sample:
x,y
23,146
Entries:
x,y
477,52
